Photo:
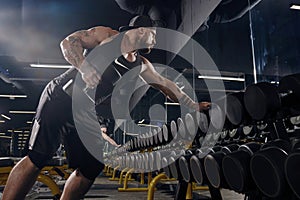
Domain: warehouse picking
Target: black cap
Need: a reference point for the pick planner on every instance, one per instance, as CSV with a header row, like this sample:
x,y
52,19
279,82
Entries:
x,y
138,21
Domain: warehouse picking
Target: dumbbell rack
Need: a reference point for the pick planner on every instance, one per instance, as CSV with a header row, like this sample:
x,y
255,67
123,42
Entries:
x,y
252,135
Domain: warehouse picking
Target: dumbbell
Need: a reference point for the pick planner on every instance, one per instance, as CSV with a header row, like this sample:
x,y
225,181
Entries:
x,y
292,171
221,118
146,161
141,142
174,165
197,163
184,166
295,120
151,160
170,161
160,154
181,129
197,167
196,126
155,137
263,100
133,146
174,132
196,123
236,168
213,166
267,168
249,131
139,161
228,136
174,168
289,89
236,134
190,125
146,140
235,109
151,139
133,161
166,168
142,162
127,161
216,116
167,136
198,171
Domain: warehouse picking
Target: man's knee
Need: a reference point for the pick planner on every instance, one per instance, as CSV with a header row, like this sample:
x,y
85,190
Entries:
x,y
91,172
38,159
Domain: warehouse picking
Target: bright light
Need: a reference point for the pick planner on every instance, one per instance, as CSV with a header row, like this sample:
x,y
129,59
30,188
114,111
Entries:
x,y
141,121
295,7
12,96
2,121
7,137
29,122
6,117
13,131
172,104
149,125
21,112
55,66
222,78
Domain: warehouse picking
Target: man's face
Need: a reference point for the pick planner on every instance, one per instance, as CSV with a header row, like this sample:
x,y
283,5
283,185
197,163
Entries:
x,y
150,34
148,38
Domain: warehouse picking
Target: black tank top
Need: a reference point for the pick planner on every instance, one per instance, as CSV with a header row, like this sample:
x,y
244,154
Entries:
x,y
114,72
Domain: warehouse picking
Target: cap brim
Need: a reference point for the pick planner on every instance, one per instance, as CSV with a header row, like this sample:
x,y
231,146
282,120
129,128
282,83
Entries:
x,y
126,28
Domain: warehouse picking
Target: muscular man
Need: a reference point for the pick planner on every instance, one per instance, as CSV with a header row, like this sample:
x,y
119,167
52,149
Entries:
x,y
54,118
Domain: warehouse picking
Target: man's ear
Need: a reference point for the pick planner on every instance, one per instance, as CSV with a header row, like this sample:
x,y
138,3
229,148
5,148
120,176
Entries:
x,y
141,30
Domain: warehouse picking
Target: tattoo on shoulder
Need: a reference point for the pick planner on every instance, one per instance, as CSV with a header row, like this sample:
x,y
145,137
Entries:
x,y
85,33
73,39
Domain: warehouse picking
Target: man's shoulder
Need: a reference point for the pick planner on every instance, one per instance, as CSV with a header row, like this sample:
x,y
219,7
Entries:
x,y
101,29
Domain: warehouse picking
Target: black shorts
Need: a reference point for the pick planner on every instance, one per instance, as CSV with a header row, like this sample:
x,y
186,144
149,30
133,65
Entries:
x,y
54,125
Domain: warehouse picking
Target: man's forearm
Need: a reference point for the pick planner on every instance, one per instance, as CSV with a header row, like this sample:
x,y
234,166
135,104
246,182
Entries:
x,y
180,97
188,102
177,95
107,138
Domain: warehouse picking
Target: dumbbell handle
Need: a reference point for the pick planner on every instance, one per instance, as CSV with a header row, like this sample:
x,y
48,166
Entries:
x,y
284,94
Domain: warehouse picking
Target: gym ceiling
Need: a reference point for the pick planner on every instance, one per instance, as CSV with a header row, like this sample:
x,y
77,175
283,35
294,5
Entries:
x,y
31,30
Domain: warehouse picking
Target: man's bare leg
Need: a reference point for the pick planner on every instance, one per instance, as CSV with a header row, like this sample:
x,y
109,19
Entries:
x,y
76,186
20,180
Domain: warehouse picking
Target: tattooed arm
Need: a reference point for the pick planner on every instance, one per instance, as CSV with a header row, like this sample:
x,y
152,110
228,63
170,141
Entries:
x,y
169,88
73,47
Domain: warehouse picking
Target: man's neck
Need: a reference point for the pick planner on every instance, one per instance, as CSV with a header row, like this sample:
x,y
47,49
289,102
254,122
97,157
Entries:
x,y
129,42
130,57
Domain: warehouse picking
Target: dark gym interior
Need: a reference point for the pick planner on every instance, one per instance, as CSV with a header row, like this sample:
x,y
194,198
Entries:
x,y
246,146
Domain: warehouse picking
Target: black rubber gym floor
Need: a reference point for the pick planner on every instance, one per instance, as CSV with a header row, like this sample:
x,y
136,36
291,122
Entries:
x,y
108,190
